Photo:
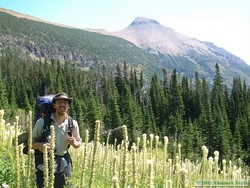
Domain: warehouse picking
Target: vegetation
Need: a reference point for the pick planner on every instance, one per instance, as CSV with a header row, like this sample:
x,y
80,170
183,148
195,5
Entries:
x,y
146,164
85,49
135,115
187,112
34,40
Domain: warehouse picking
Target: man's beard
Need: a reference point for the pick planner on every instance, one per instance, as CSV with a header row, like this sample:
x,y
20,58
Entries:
x,y
62,111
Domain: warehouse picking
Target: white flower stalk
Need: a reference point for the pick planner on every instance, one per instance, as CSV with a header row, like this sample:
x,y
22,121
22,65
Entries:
x,y
168,183
156,154
235,168
115,162
2,122
11,136
17,154
45,166
170,169
115,182
179,152
150,174
120,155
32,177
204,161
224,168
234,175
210,168
230,168
94,161
22,161
177,158
124,164
216,164
205,152
29,146
165,155
177,174
239,171
183,174
84,158
52,156
216,154
151,138
134,166
105,160
1,114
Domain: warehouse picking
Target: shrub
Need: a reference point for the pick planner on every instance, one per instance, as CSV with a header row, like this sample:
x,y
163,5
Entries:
x,y
7,169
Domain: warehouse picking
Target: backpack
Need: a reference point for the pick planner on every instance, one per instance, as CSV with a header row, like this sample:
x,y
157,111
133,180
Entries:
x,y
43,109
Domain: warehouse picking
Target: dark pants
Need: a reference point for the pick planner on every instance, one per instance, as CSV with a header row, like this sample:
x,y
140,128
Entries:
x,y
59,181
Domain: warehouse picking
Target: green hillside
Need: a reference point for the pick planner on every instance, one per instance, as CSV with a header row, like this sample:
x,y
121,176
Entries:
x,y
39,40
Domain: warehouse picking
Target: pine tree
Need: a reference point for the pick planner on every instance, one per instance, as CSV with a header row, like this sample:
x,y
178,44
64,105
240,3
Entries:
x,y
176,106
197,100
4,103
112,118
205,120
222,132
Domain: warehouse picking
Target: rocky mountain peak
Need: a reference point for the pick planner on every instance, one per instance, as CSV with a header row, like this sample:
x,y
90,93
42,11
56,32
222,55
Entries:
x,y
165,44
149,34
143,21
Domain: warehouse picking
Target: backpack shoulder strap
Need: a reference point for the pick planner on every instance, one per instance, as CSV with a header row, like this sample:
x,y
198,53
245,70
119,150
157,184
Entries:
x,y
70,125
47,122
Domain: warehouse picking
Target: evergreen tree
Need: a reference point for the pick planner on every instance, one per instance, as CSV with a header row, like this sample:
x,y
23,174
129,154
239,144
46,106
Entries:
x,y
197,99
191,141
4,103
176,106
187,97
224,135
206,120
112,118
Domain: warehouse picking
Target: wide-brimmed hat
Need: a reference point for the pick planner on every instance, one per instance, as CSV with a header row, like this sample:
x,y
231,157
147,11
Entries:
x,y
62,96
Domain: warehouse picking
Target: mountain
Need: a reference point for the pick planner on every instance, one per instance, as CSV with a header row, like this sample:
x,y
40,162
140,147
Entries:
x,y
39,40
175,50
145,45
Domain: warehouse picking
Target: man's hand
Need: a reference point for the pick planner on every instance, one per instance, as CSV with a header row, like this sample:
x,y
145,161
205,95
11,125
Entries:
x,y
72,141
39,146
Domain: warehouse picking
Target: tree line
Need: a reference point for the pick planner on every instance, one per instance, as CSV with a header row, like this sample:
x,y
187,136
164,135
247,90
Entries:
x,y
192,112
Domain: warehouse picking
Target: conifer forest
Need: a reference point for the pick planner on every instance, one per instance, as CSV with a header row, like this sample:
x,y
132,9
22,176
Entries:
x,y
192,112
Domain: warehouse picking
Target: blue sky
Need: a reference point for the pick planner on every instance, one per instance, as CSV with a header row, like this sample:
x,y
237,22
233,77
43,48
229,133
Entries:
x,y
226,23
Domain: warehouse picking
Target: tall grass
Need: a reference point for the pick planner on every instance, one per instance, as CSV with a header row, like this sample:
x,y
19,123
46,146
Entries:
x,y
146,163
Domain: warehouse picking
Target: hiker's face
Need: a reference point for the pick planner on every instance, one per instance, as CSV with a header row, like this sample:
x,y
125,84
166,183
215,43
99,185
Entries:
x,y
61,105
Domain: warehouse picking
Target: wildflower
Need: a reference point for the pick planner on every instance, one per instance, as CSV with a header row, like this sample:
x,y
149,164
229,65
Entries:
x,y
1,113
166,139
216,154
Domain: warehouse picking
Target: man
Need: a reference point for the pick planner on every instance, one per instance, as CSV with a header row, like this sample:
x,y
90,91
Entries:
x,y
63,139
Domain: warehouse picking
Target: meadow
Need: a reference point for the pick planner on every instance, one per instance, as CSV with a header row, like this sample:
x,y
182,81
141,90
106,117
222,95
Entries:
x,y
99,164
